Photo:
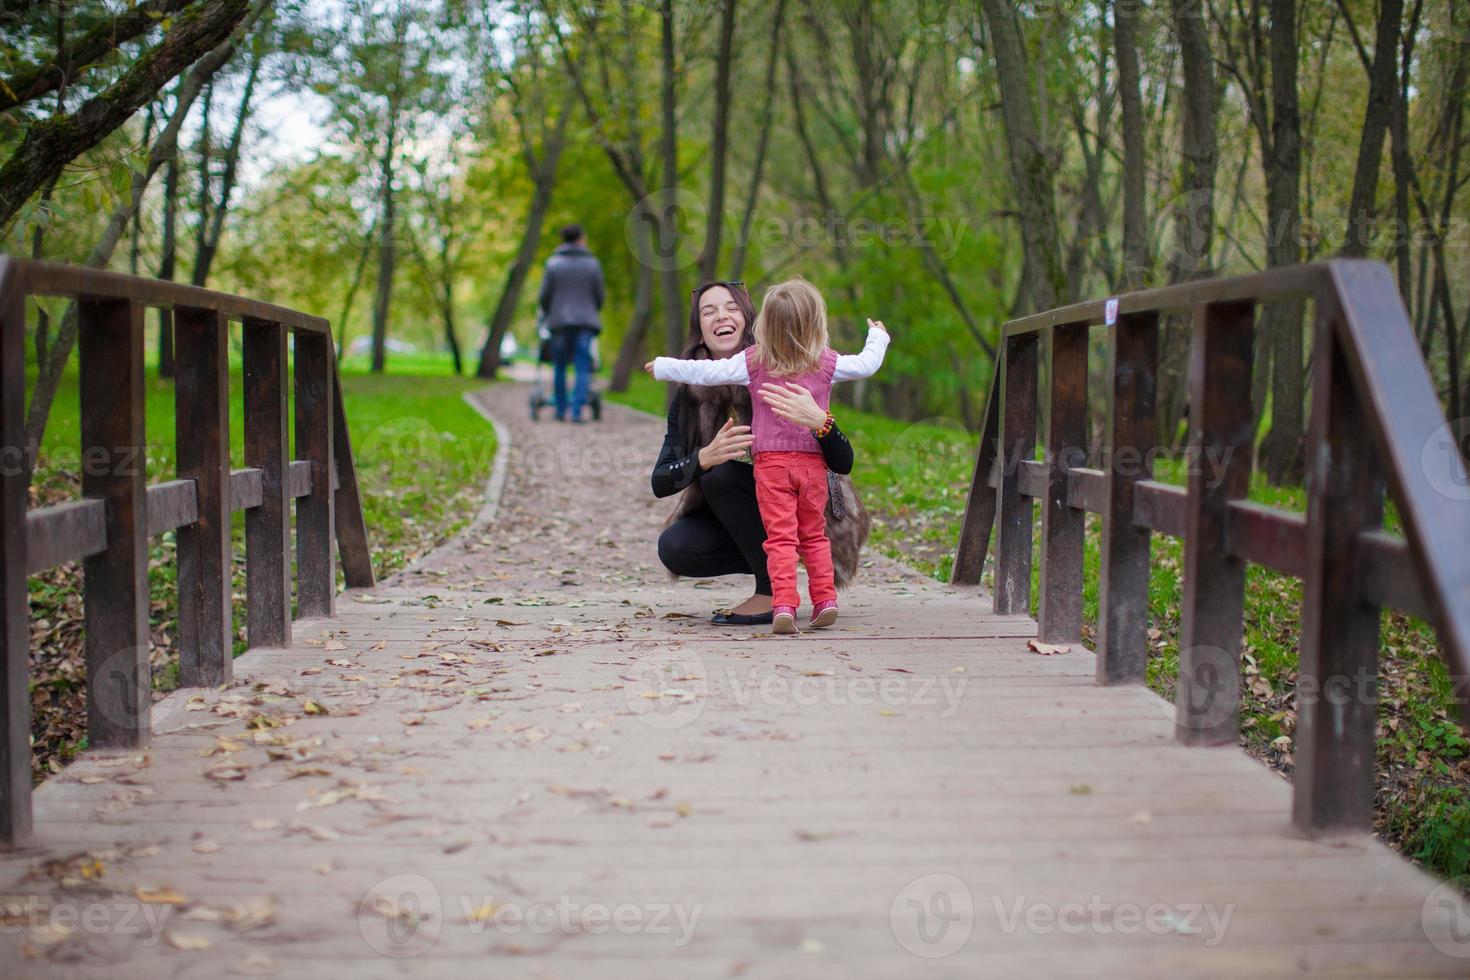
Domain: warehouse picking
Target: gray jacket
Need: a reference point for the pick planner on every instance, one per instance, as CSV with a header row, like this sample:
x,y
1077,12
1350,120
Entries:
x,y
572,289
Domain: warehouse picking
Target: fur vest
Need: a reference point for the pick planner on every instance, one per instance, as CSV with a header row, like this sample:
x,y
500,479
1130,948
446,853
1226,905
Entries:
x,y
847,520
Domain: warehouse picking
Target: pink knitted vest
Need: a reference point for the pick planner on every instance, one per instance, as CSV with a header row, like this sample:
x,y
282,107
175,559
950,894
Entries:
x,y
772,432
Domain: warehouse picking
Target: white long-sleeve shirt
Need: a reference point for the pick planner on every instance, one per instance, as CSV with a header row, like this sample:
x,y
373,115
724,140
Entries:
x,y
732,370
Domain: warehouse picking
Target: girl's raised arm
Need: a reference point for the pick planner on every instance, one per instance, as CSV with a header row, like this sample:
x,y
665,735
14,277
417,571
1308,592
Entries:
x,y
850,367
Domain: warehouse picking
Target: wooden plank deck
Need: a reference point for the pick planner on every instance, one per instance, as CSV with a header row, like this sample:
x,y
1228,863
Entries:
x,y
530,756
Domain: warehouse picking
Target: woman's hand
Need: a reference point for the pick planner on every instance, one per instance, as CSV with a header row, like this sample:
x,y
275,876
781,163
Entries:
x,y
795,404
649,368
731,442
878,324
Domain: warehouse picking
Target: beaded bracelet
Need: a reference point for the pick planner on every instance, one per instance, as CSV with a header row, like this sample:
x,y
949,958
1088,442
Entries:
x,y
826,427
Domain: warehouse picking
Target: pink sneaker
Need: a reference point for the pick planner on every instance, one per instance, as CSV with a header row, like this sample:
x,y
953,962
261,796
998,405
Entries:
x,y
824,614
783,619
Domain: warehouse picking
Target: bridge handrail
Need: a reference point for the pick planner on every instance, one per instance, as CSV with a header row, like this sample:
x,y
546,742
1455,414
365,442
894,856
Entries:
x,y
1375,420
109,527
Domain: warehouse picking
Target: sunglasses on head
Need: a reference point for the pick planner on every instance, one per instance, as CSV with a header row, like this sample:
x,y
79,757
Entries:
x,y
728,283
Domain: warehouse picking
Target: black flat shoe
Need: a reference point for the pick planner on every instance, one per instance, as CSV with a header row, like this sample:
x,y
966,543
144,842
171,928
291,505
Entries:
x,y
726,618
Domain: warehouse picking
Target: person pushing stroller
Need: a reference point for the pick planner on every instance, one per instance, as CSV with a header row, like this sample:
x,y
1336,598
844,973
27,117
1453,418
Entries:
x,y
572,294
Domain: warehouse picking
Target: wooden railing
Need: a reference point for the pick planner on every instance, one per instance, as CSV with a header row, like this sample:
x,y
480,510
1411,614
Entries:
x,y
1374,419
108,529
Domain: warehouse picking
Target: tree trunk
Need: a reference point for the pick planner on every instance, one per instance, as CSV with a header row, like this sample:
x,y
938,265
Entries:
x,y
1194,214
357,276
48,376
669,231
1136,257
168,264
107,32
768,114
1403,169
206,180
38,251
515,278
135,245
386,250
50,144
709,259
1382,81
1031,172
543,173
630,355
1281,450
209,244
446,306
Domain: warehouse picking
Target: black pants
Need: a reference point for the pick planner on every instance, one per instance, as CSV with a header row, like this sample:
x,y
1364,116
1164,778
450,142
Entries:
x,y
725,536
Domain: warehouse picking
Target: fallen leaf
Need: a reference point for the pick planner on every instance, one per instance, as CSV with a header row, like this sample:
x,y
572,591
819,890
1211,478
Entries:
x,y
184,940
160,896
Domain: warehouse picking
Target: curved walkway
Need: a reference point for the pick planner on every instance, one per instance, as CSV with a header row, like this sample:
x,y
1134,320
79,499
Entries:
x,y
531,756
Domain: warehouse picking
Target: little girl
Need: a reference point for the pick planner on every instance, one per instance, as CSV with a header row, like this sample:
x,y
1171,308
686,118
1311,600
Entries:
x,y
790,474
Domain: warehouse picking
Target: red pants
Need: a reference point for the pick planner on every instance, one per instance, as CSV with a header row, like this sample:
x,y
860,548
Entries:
x,y
791,489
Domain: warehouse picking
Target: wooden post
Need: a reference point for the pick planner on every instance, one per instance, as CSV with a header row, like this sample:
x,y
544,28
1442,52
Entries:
x,y
1337,698
1122,636
202,427
1062,527
316,571
1207,701
352,540
15,695
114,470
267,527
1016,443
969,556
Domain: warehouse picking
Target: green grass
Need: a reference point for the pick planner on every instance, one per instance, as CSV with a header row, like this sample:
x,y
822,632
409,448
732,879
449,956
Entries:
x,y
422,457
915,479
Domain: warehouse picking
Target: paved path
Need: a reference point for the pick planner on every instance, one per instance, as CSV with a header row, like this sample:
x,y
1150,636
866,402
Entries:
x,y
532,757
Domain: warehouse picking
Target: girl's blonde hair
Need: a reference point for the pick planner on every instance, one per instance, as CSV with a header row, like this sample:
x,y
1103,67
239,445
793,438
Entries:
x,y
791,329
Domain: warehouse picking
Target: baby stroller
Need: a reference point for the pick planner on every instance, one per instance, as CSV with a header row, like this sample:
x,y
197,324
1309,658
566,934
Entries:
x,y
541,391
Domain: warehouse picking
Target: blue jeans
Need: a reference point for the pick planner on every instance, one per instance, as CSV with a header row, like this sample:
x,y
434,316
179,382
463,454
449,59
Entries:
x,y
571,345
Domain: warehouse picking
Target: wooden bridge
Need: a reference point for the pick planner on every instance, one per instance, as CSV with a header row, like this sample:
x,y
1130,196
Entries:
x,y
530,754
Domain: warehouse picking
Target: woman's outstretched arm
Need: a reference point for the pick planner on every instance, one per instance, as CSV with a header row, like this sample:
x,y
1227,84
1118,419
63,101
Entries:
x,y
722,371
